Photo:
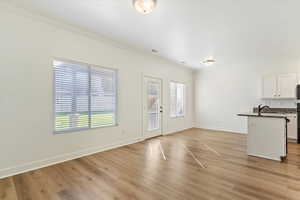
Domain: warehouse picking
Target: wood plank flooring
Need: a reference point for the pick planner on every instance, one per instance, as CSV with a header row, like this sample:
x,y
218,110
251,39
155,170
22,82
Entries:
x,y
193,164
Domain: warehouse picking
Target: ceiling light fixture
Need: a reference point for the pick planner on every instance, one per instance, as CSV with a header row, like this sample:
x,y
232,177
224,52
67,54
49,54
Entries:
x,y
209,62
144,6
154,51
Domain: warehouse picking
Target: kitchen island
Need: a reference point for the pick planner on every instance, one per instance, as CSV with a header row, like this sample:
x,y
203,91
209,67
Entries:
x,y
267,135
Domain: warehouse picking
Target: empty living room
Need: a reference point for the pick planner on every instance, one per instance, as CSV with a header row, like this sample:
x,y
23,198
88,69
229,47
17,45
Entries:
x,y
149,100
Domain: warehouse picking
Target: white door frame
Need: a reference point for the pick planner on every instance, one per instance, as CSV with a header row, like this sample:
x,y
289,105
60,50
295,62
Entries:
x,y
144,136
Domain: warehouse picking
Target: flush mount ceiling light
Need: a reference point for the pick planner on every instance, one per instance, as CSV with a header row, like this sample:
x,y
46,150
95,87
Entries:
x,y
144,6
209,62
154,51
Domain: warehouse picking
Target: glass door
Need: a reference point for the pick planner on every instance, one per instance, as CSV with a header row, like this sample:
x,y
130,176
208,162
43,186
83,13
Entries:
x,y
152,107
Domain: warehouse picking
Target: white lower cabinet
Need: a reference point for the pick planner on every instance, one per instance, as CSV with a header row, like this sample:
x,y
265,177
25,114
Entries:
x,y
292,127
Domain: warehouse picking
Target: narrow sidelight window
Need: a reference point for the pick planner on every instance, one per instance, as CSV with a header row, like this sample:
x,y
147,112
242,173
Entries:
x,y
177,99
85,96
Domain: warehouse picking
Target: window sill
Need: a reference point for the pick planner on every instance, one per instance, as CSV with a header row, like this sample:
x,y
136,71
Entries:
x,y
83,129
178,117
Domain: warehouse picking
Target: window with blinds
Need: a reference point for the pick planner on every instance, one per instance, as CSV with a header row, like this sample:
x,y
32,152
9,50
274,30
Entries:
x,y
177,99
85,96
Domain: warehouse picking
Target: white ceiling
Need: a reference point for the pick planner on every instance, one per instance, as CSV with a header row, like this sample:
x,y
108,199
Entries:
x,y
189,30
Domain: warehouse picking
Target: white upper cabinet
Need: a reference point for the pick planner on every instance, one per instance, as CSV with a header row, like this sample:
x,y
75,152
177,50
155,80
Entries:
x,y
269,87
281,86
287,85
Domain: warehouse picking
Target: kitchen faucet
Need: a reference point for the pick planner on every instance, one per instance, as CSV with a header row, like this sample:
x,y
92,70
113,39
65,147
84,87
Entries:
x,y
260,108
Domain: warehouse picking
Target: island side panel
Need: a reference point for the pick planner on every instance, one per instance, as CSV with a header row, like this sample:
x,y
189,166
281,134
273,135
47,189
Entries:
x,y
266,137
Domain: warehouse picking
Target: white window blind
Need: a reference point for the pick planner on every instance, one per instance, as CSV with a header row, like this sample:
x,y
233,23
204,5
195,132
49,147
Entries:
x,y
103,97
85,96
177,98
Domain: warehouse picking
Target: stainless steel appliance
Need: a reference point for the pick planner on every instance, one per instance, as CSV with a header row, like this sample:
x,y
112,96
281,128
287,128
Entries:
x,y
298,113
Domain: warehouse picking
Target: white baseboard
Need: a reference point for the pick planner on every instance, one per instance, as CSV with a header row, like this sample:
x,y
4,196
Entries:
x,y
176,131
221,129
61,158
4,173
266,157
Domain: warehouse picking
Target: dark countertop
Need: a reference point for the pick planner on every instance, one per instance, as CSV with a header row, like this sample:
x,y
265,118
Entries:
x,y
277,110
270,115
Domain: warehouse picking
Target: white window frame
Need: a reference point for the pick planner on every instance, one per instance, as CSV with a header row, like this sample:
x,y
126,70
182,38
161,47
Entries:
x,y
184,99
54,96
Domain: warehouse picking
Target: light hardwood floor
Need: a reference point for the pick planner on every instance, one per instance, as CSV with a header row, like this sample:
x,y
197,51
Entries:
x,y
194,164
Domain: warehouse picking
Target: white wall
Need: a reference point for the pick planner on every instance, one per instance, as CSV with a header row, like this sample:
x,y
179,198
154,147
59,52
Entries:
x,y
234,86
28,44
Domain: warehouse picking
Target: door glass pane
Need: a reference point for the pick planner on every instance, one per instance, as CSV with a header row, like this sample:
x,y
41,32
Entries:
x,y
153,104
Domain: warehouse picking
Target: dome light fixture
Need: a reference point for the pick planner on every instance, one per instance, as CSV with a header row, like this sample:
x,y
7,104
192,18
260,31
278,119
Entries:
x,y
144,6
